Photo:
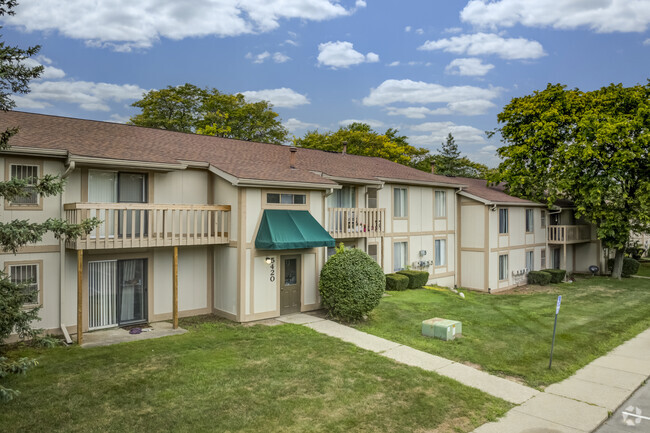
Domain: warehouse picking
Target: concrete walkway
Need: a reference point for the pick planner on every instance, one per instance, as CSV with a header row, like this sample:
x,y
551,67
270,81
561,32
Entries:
x,y
499,387
578,404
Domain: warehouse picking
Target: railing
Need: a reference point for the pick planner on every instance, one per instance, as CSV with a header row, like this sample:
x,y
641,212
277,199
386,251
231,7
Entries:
x,y
135,225
569,234
356,222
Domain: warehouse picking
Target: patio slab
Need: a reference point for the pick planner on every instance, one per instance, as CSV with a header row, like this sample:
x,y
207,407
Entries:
x,y
299,318
107,337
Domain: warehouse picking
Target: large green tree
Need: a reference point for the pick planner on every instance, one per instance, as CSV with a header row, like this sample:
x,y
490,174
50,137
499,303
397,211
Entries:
x,y
14,315
361,139
588,147
189,108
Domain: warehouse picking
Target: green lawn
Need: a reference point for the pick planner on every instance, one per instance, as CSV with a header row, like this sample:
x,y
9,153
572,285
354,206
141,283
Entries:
x,y
226,377
510,334
644,269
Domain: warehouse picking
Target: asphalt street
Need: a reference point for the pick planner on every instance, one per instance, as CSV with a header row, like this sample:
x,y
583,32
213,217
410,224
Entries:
x,y
632,416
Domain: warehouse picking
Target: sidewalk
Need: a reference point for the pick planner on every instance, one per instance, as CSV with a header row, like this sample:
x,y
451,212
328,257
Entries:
x,y
578,404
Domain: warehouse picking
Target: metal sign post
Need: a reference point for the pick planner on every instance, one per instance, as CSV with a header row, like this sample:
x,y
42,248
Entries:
x,y
557,311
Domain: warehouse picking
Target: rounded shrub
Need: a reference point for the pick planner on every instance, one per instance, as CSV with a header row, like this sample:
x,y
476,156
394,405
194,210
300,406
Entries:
x,y
541,278
417,279
397,282
630,266
351,284
557,275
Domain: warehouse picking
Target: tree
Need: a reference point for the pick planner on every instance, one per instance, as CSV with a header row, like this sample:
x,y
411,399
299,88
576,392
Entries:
x,y
361,139
14,78
589,147
448,162
188,108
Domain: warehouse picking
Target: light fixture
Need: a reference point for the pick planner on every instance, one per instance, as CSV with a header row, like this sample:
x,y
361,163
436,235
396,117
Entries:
x,y
268,260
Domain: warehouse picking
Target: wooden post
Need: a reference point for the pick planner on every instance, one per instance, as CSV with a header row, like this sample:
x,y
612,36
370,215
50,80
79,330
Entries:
x,y
80,267
175,289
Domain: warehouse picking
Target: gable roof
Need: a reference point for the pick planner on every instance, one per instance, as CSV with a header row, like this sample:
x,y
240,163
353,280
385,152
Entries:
x,y
478,189
244,160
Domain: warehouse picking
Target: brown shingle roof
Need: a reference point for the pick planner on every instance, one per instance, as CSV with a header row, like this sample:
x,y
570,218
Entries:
x,y
493,194
242,159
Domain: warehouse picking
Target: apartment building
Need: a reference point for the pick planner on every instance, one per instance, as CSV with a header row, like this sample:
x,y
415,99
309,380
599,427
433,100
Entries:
x,y
244,228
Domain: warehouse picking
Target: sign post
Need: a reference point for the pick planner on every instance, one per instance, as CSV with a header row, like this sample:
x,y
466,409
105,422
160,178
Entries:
x,y
557,311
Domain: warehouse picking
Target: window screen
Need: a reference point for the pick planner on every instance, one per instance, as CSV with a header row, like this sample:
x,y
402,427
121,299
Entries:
x,y
400,202
503,221
26,276
503,267
440,252
441,204
28,173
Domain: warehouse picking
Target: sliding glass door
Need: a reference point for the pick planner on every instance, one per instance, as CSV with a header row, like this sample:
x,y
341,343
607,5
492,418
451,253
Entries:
x,y
117,293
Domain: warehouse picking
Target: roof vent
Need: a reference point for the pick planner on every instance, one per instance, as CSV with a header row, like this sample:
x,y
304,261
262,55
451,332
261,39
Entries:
x,y
292,157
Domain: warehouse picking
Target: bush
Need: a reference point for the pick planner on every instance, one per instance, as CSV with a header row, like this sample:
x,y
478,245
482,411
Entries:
x,y
351,284
397,282
557,275
541,278
630,266
417,279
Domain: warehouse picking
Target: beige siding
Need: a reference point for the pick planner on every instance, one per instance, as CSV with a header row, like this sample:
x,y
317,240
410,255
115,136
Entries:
x,y
192,279
225,279
267,286
175,187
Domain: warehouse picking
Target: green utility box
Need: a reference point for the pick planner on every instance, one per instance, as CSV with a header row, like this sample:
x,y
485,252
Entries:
x,y
442,328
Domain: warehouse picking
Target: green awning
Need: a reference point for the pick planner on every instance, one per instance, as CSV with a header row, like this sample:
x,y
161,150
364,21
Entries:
x,y
289,230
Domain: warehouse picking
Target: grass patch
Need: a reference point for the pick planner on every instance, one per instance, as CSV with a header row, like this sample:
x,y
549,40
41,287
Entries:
x,y
226,377
510,334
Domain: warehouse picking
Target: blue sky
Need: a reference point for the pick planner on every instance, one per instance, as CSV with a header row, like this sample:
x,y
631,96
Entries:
x,y
424,67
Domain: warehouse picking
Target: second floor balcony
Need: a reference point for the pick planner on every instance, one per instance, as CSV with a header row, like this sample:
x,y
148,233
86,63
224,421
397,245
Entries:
x,y
356,222
144,225
568,234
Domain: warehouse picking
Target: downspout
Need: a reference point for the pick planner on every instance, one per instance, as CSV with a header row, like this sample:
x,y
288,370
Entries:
x,y
70,166
456,238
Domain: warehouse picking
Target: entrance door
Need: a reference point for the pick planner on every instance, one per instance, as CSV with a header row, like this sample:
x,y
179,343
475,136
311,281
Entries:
x,y
117,293
555,258
290,284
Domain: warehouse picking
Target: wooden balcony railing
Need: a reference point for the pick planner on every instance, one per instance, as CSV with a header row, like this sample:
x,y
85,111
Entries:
x,y
356,222
135,225
568,234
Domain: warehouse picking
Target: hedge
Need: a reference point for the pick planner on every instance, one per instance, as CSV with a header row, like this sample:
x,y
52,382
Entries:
x,y
397,282
417,279
539,277
351,284
630,266
557,275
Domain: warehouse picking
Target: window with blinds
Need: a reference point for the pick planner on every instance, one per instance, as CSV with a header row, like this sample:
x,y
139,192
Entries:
x,y
503,221
440,204
400,255
503,267
440,252
28,173
530,221
27,277
400,202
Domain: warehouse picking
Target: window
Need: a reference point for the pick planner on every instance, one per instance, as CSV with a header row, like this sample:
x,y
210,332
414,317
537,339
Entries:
x,y
530,260
542,219
400,256
440,252
274,198
530,226
401,203
28,173
503,221
372,198
543,259
344,197
440,204
372,252
28,277
503,267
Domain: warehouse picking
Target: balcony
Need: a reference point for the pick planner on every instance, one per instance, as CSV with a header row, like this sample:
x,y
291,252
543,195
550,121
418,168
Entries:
x,y
135,225
356,222
568,234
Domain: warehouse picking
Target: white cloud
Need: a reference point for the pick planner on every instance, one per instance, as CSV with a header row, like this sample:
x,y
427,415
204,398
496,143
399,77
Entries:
x,y
646,42
416,112
437,133
282,97
118,118
373,123
469,67
407,29
342,55
453,30
602,16
488,149
419,31
360,4
123,25
478,44
88,95
467,100
280,58
395,63
294,125
290,42
49,72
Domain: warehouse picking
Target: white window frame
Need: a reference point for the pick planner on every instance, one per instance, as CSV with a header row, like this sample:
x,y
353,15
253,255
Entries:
x,y
440,204
400,202
503,216
530,228
503,273
530,260
440,252
37,282
288,196
36,205
404,245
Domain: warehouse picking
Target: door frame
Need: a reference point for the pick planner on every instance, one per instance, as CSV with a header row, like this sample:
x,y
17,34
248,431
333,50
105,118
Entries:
x,y
298,258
